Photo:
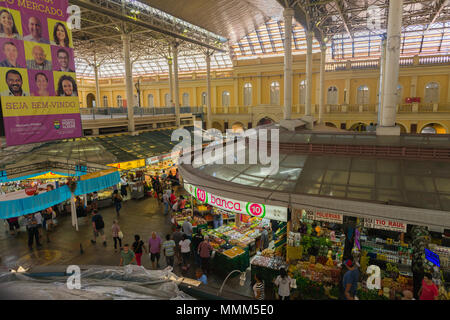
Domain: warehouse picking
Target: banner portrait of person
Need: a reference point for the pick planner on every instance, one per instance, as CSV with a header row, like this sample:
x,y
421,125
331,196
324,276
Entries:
x,y
35,27
38,56
59,34
14,82
62,59
12,53
10,24
65,84
41,83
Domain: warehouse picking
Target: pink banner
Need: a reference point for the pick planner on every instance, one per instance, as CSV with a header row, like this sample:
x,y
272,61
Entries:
x,y
39,94
32,129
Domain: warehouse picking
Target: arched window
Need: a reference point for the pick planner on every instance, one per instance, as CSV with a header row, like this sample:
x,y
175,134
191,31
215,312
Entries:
x,y
185,99
432,92
167,100
247,94
119,101
399,94
332,95
203,98
275,93
90,99
105,101
151,102
225,99
362,96
302,92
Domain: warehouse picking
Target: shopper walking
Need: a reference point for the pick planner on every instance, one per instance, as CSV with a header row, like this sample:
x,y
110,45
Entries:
x,y
154,246
166,202
169,250
429,290
350,280
138,246
117,200
32,230
187,228
177,236
116,235
283,282
185,247
264,238
48,221
127,256
98,225
204,251
14,227
258,288
38,217
196,240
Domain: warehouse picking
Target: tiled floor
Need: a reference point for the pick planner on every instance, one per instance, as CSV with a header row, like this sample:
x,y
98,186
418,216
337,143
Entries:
x,y
137,217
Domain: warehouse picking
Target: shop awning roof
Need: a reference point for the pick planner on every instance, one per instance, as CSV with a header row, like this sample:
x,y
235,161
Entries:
x,y
93,152
382,186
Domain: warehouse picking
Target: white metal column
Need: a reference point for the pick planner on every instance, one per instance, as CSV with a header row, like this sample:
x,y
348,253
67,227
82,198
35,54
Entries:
x,y
309,62
208,90
176,91
382,78
171,95
288,14
98,100
392,69
128,81
323,52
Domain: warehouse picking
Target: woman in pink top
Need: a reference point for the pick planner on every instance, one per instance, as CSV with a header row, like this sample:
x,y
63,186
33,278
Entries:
x,y
429,290
115,234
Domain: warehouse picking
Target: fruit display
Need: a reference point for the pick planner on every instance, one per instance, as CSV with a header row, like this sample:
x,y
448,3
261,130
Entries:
x,y
270,262
233,252
268,253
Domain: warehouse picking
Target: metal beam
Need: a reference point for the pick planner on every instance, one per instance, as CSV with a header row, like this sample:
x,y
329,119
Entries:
x,y
104,10
440,7
344,19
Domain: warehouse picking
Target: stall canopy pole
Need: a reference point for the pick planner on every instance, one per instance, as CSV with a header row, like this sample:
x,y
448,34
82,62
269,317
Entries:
x,y
74,212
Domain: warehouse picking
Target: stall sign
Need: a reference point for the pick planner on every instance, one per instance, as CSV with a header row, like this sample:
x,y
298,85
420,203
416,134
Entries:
x,y
325,216
161,158
248,208
49,175
432,257
329,217
97,174
129,164
385,224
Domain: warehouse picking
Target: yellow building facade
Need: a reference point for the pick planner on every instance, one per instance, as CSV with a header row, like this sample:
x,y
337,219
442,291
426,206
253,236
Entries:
x,y
254,88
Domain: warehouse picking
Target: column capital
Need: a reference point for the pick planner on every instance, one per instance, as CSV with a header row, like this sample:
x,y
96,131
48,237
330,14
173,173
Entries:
x,y
323,48
288,12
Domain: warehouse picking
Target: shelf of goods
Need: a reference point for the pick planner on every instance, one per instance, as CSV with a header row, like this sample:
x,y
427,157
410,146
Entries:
x,y
383,252
267,266
444,255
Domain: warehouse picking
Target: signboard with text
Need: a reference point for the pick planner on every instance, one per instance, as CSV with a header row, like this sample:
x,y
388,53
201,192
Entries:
x,y
129,164
237,206
385,224
325,216
38,89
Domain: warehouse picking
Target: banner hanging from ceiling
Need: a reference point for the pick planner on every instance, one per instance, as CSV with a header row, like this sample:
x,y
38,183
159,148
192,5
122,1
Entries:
x,y
38,89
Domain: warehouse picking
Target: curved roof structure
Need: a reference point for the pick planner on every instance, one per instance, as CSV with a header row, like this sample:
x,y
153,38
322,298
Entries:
x,y
401,187
245,29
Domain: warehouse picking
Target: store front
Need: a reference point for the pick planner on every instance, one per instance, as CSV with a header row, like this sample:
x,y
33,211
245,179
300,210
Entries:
x,y
340,210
